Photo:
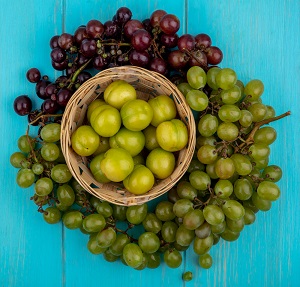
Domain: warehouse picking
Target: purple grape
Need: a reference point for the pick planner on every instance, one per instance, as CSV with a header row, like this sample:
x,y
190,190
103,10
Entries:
x,y
214,55
177,59
95,29
88,48
58,55
60,66
71,70
198,58
63,96
83,76
81,60
80,34
169,41
50,107
202,41
141,40
54,42
111,29
156,17
40,89
65,41
99,63
158,65
131,26
169,24
147,25
22,105
33,75
51,90
61,80
139,58
123,15
186,42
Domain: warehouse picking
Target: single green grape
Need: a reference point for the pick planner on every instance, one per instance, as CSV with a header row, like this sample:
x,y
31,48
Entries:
x,y
218,229
233,209
17,158
105,209
246,119
243,189
168,231
235,225
40,200
200,180
133,255
52,215
210,170
149,242
153,260
226,79
272,173
60,173
229,235
109,257
172,258
73,219
229,113
93,223
187,276
203,231
249,216
184,88
249,205
261,204
265,135
119,212
185,190
137,213
196,77
164,210
213,214
270,112
93,246
223,188
227,131
193,219
259,151
207,154
208,125
197,100
25,177
195,165
184,236
224,168
144,263
231,96
118,245
25,142
43,186
182,206
258,111
51,132
203,245
152,223
211,77
37,168
268,190
50,152
242,164
106,237
205,261
66,195
254,90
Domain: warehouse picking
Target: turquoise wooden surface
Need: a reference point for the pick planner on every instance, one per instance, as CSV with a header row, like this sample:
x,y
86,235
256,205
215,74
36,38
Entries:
x,y
260,39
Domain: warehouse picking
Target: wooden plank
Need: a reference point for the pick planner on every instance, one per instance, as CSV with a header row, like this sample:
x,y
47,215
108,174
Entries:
x,y
93,270
30,252
259,40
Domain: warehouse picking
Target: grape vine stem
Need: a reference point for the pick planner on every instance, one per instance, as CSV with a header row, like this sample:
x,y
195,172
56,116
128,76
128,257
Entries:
x,y
45,116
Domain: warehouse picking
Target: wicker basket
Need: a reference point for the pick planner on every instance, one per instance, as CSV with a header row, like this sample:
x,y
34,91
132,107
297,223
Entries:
x,y
148,84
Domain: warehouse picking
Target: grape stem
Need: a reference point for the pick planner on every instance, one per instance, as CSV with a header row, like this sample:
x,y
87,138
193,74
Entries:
x,y
31,148
40,116
77,72
250,137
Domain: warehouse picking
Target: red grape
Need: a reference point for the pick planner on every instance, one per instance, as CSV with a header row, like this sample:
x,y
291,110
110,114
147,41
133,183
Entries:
x,y
22,105
95,29
50,107
158,65
156,17
203,41
65,41
214,55
186,42
60,66
177,59
198,58
169,41
131,26
54,42
88,48
123,15
33,75
169,24
40,89
141,40
63,96
80,34
58,55
139,58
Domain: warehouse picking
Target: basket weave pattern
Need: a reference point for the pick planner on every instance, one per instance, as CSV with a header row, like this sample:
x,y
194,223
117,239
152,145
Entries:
x,y
148,85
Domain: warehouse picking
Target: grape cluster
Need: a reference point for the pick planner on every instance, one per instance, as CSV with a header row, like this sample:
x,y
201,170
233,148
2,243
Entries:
x,y
228,181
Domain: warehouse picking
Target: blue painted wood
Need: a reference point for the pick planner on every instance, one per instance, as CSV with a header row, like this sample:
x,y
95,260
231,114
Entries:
x,y
260,39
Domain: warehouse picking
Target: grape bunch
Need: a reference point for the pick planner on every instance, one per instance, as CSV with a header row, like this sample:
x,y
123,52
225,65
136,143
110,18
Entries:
x,y
228,181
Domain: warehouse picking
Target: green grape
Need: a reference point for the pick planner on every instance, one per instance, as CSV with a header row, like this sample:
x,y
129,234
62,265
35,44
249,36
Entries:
x,y
40,200
172,258
254,90
94,223
270,112
137,213
185,190
203,231
242,164
250,205
95,201
164,210
210,170
235,225
207,154
213,214
152,223
37,168
196,77
259,151
201,141
265,135
227,131
187,276
261,204
203,245
153,260
233,209
223,188
229,235
168,231
195,165
50,151
268,190
208,125
218,229
24,143
258,112
229,113
105,209
119,212
182,206
246,119
144,263
106,237
261,164
76,186
118,245
93,246
231,96
199,180
60,173
62,207
16,159
243,189
226,79
184,88
216,238
65,194
25,177
149,242
109,257
26,164
240,84
193,219
197,100
205,261
73,219
224,168
184,236
249,216
173,195
133,255
43,186
211,77
52,215
272,173
51,132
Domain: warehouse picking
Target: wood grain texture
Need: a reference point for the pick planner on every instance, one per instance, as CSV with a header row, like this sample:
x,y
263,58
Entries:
x,y
260,39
